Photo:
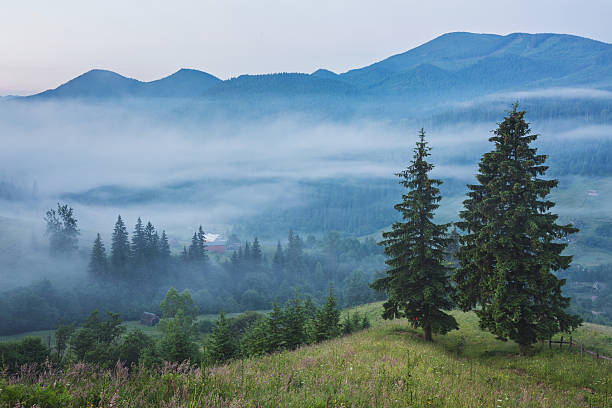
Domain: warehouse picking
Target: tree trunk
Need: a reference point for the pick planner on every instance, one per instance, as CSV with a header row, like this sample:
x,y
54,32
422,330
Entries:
x,y
524,349
427,330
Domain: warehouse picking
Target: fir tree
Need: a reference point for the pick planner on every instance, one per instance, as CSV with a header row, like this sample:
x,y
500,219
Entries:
x,y
98,263
151,242
327,321
417,281
221,346
511,242
194,250
256,254
255,340
247,252
276,328
202,252
164,248
294,254
279,259
120,246
294,323
138,244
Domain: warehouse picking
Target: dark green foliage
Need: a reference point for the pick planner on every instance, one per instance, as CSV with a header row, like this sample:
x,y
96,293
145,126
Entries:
x,y
133,346
164,248
221,346
28,350
256,255
173,302
97,340
179,341
255,340
120,247
240,324
327,320
294,323
138,246
357,290
98,264
276,328
511,242
62,230
417,281
62,337
197,252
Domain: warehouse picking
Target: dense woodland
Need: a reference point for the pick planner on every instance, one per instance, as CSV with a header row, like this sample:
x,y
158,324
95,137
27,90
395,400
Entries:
x,y
133,273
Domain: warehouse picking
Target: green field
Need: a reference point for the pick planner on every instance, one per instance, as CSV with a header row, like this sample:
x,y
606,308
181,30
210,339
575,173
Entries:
x,y
388,365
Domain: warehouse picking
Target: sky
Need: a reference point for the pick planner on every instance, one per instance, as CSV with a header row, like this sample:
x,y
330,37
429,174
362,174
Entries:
x,y
45,43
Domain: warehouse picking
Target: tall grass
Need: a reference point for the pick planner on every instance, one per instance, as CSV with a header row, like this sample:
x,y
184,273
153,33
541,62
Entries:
x,y
388,365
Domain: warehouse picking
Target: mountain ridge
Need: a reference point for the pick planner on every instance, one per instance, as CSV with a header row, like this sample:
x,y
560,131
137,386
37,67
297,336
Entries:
x,y
444,66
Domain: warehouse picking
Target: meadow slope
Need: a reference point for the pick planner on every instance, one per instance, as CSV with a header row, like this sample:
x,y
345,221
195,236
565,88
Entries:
x,y
388,365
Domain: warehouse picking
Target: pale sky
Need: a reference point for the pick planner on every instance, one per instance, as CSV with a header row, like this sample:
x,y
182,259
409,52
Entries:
x,y
45,43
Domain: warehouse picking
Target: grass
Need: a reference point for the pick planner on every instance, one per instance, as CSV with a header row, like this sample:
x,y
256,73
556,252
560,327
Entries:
x,y
388,365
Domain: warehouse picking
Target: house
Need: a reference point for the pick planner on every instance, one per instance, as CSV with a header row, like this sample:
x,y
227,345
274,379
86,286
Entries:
x,y
217,246
149,319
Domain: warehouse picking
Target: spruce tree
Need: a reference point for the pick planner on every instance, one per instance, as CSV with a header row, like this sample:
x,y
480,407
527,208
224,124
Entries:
x,y
511,242
138,244
417,281
98,262
295,320
120,247
164,248
278,261
255,340
221,346
276,328
202,252
151,243
256,254
194,248
327,321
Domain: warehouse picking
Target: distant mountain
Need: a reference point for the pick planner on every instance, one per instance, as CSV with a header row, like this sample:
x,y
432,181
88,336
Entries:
x,y
183,83
99,83
487,59
453,66
283,84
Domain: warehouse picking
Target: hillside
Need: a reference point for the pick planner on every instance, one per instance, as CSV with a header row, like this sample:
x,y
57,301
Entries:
x,y
386,365
454,65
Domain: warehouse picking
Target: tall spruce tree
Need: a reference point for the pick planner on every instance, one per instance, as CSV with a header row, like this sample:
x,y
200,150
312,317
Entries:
x,y
221,346
120,247
138,244
511,242
295,321
256,254
163,251
417,281
98,264
202,252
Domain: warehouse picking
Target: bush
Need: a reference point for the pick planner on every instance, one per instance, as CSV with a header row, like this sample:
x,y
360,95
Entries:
x,y
28,350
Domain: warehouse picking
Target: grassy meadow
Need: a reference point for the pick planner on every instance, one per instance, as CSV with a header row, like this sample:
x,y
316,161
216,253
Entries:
x,y
388,365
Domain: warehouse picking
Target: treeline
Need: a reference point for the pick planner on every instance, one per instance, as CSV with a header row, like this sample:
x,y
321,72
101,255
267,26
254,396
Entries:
x,y
184,338
133,273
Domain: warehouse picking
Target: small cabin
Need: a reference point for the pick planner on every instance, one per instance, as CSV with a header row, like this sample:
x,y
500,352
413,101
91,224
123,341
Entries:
x,y
216,246
149,319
